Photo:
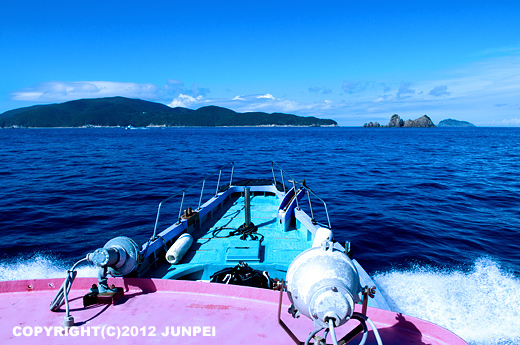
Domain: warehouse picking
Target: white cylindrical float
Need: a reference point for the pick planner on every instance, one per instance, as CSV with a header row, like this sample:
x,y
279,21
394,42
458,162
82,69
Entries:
x,y
322,234
176,252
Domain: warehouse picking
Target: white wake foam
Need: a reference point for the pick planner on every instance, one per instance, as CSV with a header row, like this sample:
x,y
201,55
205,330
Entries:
x,y
481,305
40,266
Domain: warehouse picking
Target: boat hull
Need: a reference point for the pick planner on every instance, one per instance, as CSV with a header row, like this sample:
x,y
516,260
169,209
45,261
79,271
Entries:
x,y
153,310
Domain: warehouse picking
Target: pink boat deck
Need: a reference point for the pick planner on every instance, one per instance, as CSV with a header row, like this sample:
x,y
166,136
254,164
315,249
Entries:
x,y
170,311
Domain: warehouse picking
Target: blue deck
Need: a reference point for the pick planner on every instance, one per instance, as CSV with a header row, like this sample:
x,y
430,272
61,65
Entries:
x,y
212,251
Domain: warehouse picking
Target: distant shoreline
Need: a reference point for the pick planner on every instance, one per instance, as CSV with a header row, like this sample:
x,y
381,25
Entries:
x,y
262,126
165,127
127,112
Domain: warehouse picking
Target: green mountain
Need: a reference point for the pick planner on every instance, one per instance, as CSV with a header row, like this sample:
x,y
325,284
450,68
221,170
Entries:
x,y
455,123
121,111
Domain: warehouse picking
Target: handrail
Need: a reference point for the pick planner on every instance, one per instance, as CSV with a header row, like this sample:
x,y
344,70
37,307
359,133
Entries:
x,y
302,185
183,192
283,174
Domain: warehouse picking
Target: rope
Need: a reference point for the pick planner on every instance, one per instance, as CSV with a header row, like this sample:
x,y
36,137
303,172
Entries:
x,y
243,231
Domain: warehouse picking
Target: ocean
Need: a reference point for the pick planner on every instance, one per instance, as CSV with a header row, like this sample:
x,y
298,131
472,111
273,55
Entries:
x,y
432,214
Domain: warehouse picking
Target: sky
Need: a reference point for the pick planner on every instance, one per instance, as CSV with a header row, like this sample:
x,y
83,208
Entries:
x,y
352,61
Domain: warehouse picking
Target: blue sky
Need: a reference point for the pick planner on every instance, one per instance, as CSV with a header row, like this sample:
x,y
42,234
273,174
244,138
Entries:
x,y
353,61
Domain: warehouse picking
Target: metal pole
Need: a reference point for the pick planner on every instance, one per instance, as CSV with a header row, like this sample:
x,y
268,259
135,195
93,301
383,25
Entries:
x,y
247,204
156,221
218,183
296,195
201,192
327,213
310,205
232,170
180,210
283,181
274,178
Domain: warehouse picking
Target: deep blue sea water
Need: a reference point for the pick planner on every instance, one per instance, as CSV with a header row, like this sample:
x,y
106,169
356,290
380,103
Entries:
x,y
433,214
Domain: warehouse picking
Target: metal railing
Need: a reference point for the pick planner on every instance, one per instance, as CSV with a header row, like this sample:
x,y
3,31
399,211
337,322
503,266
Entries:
x,y
183,193
302,185
219,170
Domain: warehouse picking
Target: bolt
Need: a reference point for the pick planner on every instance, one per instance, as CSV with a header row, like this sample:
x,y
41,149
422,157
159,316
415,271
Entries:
x,y
335,289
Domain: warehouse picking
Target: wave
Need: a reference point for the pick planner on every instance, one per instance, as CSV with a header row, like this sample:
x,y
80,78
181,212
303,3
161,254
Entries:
x,y
480,304
40,266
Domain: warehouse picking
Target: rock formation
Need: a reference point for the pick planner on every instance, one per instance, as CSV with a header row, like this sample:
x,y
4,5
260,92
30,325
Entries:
x,y
423,122
395,121
370,124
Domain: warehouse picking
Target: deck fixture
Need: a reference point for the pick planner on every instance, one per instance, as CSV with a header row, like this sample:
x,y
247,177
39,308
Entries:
x,y
239,233
247,205
248,229
323,284
177,251
118,257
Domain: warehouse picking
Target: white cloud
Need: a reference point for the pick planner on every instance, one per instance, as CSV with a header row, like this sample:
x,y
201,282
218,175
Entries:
x,y
185,101
484,93
174,88
267,96
352,86
471,93
439,91
383,98
404,89
501,50
514,122
174,82
259,102
60,91
323,90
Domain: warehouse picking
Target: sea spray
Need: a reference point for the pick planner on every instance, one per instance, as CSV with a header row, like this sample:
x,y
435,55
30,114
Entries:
x,y
40,266
481,305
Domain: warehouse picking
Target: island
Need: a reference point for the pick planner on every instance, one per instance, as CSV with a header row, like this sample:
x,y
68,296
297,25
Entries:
x,y
123,112
455,123
396,122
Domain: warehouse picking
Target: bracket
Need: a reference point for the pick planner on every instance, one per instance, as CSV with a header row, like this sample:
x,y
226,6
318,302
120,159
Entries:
x,y
348,337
